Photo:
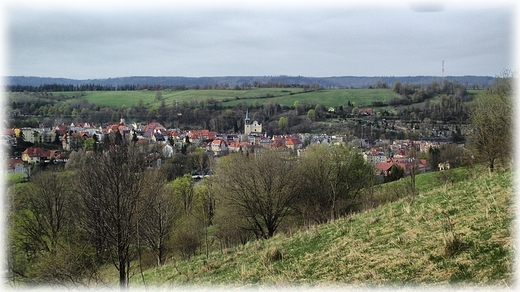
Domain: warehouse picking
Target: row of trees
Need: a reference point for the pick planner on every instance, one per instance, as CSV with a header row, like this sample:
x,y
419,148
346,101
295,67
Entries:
x,y
267,188
55,87
237,83
65,225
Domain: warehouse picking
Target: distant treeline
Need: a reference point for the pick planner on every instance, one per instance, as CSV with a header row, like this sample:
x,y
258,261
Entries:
x,y
41,84
154,87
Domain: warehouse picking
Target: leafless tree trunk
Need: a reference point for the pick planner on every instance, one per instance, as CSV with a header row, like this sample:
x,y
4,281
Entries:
x,y
110,186
261,188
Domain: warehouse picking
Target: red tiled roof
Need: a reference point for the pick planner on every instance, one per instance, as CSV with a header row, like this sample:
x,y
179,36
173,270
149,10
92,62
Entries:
x,y
204,134
366,110
293,141
173,133
35,151
384,166
62,156
113,128
14,162
237,144
219,142
153,126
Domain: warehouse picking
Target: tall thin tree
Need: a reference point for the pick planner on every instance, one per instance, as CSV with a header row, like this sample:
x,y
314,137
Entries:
x,y
110,187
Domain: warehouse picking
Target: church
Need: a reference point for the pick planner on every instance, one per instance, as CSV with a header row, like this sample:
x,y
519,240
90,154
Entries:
x,y
251,128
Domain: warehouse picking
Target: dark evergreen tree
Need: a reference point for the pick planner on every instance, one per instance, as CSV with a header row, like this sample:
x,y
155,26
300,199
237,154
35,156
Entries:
x,y
434,155
396,172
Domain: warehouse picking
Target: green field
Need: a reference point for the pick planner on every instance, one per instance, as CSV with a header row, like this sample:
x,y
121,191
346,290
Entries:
x,y
283,96
361,98
333,97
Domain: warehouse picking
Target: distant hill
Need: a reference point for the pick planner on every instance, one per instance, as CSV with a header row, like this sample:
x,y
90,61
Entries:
x,y
339,81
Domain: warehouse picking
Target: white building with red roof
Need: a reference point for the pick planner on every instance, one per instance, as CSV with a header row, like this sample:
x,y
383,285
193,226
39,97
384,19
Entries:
x,y
219,147
35,154
15,166
293,143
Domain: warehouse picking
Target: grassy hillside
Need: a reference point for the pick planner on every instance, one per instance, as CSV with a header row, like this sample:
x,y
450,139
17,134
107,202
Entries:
x,y
458,231
331,97
228,98
284,96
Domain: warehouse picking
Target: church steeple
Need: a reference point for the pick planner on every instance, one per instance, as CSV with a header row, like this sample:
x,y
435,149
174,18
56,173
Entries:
x,y
247,120
251,127
247,124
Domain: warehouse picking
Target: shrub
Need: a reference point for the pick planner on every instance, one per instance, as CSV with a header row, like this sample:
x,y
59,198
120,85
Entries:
x,y
453,244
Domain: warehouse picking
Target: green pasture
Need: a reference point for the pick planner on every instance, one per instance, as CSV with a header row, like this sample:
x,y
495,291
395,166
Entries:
x,y
228,98
259,96
148,97
328,97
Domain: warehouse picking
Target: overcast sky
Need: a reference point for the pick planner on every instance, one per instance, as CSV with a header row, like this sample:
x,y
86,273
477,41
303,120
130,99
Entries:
x,y
103,39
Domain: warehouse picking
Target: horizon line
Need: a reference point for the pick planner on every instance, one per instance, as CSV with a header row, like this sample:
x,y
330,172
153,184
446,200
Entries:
x,y
221,76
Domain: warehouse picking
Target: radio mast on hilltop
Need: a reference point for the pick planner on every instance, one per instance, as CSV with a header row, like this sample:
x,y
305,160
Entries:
x,y
442,69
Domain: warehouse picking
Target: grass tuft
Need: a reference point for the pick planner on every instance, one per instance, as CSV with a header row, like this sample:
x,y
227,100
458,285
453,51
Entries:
x,y
272,255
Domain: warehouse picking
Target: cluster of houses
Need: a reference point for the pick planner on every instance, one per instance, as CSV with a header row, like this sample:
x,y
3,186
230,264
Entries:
x,y
382,154
386,153
71,137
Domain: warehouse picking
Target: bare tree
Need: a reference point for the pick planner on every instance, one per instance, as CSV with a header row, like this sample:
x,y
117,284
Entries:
x,y
260,188
110,186
44,245
45,210
333,178
315,208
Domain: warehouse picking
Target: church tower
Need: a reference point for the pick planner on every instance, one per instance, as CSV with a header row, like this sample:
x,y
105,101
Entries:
x,y
247,124
249,127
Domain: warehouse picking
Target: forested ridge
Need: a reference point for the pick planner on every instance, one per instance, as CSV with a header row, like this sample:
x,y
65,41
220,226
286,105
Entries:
x,y
124,83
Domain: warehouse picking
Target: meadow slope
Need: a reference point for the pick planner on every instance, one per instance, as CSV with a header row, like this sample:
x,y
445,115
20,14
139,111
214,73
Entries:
x,y
457,232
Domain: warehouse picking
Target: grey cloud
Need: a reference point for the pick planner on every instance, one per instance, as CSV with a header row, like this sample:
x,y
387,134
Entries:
x,y
227,41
